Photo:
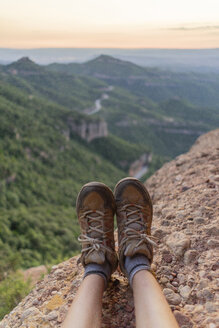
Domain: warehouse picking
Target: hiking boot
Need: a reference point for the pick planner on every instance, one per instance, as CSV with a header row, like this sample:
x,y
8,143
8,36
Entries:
x,y
95,209
134,216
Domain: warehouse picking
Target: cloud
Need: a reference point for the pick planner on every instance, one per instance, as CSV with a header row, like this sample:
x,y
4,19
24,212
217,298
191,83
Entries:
x,y
194,28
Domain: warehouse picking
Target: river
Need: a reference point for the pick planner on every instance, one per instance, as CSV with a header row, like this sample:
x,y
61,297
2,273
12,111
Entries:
x,y
98,102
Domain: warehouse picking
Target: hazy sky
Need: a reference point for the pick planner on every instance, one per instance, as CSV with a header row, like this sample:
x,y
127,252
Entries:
x,y
112,23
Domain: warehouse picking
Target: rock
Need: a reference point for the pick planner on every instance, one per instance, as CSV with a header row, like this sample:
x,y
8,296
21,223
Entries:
x,y
185,291
213,243
175,283
163,280
178,242
160,233
212,325
51,316
190,256
29,312
203,283
194,301
167,257
181,278
198,308
205,294
171,297
183,320
213,230
210,307
199,220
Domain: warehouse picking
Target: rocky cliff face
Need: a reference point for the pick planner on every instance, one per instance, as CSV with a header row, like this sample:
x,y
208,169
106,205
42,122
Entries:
x,y
88,130
185,197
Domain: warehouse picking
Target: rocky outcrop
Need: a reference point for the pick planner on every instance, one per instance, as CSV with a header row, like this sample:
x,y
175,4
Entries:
x,y
185,197
88,130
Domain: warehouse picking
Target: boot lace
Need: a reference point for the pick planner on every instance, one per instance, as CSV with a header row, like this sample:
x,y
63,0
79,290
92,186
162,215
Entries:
x,y
90,244
130,233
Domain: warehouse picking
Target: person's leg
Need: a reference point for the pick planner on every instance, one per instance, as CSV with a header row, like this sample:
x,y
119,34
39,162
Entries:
x,y
86,309
151,307
134,218
95,209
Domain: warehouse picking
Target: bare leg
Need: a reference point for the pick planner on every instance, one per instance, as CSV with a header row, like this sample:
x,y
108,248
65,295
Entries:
x,y
151,307
86,309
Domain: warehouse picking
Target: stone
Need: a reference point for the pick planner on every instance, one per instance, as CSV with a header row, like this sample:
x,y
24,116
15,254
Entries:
x,y
29,312
203,283
183,320
175,283
171,296
198,308
181,277
190,256
48,303
210,307
52,316
160,233
213,230
178,242
185,291
207,294
163,280
167,257
212,325
213,243
199,220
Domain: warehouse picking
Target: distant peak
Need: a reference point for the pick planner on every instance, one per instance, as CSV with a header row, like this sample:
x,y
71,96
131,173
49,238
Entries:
x,y
24,64
25,60
106,58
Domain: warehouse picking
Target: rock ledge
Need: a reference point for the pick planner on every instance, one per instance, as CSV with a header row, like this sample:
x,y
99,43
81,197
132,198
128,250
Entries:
x,y
185,197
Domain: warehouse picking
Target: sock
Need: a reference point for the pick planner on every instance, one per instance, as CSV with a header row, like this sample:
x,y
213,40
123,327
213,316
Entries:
x,y
102,270
134,264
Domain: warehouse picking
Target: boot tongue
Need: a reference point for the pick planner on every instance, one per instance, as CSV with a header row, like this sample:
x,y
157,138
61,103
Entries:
x,y
135,225
93,233
131,248
96,256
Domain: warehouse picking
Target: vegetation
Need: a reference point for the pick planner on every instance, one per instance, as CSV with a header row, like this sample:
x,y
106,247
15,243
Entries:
x,y
44,162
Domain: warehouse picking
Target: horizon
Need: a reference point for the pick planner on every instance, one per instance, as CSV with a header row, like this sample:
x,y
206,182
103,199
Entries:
x,y
106,48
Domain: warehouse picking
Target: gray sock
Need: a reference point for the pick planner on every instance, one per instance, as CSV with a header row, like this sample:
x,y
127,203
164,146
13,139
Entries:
x,y
102,270
134,264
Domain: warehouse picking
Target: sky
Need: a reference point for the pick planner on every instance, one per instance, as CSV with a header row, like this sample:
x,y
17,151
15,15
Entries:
x,y
109,24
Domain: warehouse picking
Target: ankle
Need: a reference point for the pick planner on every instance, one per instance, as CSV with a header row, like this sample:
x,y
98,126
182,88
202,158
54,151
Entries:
x,y
135,264
103,270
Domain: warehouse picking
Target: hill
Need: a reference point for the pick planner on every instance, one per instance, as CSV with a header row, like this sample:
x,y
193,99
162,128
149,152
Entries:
x,y
44,161
51,144
185,197
156,84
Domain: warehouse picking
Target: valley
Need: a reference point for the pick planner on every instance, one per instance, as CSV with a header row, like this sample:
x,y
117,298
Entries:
x,y
63,125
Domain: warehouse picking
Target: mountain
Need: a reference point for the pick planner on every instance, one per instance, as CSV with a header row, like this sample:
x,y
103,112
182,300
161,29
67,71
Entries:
x,y
103,67
50,146
23,66
59,130
158,85
185,224
180,60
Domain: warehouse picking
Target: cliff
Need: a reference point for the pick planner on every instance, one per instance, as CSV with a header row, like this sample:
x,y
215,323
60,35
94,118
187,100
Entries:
x,y
185,197
88,130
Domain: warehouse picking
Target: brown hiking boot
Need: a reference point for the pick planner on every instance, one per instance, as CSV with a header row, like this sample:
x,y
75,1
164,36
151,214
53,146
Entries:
x,y
134,216
95,209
